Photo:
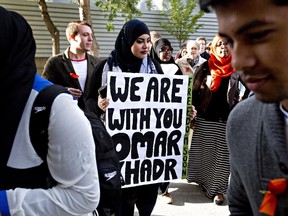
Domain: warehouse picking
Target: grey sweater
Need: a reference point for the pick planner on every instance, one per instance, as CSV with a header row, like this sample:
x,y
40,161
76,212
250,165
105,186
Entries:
x,y
258,153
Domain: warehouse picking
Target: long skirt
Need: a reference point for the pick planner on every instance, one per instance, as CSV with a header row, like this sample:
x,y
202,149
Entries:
x,y
208,163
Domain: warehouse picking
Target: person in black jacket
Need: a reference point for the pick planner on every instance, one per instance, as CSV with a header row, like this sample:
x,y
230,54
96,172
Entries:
x,y
202,43
164,50
131,54
73,68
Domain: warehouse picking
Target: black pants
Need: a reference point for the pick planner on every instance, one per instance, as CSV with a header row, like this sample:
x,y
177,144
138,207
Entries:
x,y
144,197
164,187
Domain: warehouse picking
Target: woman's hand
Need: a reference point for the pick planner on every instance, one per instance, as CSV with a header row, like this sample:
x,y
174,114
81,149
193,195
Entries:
x,y
103,103
193,114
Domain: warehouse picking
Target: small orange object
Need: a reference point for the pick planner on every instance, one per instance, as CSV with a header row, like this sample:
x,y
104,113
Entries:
x,y
74,76
269,202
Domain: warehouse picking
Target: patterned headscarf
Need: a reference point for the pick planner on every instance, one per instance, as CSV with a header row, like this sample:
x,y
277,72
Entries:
x,y
220,67
17,74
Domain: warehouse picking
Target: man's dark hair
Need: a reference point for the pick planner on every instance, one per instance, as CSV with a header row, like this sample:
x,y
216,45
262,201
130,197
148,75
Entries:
x,y
207,5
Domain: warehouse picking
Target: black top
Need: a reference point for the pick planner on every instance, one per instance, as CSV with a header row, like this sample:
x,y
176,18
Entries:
x,y
205,55
210,105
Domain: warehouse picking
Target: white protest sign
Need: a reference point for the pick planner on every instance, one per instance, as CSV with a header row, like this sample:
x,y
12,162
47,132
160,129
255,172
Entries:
x,y
147,119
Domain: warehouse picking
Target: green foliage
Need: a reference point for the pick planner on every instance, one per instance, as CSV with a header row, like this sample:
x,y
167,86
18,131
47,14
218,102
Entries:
x,y
115,8
181,18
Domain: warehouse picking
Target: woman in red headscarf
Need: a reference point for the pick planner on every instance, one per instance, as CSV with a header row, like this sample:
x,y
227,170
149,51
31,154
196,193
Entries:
x,y
208,156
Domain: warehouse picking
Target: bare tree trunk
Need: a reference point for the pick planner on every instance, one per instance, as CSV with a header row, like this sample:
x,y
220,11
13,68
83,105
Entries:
x,y
85,14
54,32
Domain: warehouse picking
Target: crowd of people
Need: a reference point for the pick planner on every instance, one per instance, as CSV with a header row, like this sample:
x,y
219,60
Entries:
x,y
239,115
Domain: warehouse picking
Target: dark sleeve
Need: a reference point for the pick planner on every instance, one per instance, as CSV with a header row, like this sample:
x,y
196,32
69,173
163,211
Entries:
x,y
200,75
205,55
237,195
201,93
95,84
49,71
56,72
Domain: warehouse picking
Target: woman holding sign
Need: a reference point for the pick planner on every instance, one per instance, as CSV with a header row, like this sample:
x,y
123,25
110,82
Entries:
x,y
131,51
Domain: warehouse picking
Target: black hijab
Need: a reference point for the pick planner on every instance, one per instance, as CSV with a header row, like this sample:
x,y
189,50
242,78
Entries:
x,y
122,56
161,42
17,74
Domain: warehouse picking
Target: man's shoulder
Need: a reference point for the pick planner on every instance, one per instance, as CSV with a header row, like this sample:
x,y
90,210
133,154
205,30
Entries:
x,y
247,112
251,104
101,63
242,124
205,55
57,58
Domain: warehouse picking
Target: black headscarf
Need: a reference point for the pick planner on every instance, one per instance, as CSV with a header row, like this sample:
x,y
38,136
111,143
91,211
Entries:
x,y
122,56
17,74
161,42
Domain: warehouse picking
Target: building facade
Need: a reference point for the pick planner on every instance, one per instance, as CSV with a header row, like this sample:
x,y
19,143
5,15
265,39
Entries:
x,y
63,11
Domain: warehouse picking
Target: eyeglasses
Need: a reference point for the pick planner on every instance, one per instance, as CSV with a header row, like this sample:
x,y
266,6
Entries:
x,y
222,43
166,50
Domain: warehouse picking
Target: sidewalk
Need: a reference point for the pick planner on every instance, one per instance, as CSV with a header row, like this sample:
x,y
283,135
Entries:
x,y
188,200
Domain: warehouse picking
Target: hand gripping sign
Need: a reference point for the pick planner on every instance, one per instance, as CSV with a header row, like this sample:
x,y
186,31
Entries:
x,y
148,118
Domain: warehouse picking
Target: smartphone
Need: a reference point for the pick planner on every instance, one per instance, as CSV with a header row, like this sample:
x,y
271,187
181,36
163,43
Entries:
x,y
103,91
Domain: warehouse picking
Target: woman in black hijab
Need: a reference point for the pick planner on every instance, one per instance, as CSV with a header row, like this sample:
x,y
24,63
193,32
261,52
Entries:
x,y
164,50
121,59
131,54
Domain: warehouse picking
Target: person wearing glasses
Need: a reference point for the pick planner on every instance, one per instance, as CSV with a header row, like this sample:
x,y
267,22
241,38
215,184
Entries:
x,y
190,62
208,163
163,55
164,51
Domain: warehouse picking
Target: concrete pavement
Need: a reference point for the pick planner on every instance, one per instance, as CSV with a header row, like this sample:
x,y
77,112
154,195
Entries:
x,y
188,199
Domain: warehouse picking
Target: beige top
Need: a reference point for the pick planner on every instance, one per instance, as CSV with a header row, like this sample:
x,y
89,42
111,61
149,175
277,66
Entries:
x,y
186,67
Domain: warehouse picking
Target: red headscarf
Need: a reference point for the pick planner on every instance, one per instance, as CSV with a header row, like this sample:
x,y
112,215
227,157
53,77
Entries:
x,y
220,67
